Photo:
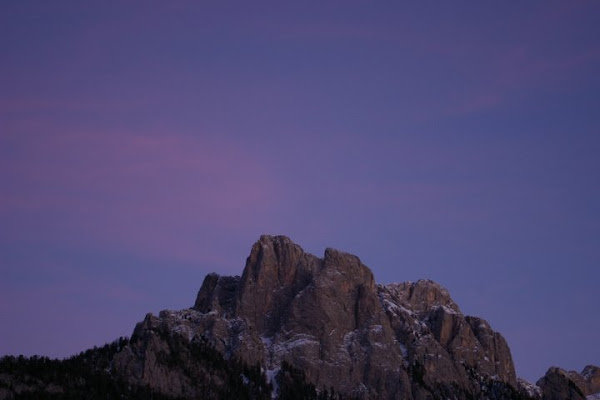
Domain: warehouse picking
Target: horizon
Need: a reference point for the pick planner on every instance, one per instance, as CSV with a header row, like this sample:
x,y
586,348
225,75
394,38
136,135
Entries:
x,y
145,146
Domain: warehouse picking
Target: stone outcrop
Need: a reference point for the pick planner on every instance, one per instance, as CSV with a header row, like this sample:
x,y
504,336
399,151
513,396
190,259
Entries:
x,y
327,317
297,326
570,385
591,374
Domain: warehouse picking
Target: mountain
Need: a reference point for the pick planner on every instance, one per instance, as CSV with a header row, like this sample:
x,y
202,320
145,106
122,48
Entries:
x,y
298,326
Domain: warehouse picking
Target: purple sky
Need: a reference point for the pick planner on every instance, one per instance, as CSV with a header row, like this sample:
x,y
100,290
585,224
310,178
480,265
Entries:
x,y
146,144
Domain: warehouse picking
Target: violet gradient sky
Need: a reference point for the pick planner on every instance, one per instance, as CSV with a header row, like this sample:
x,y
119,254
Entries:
x,y
146,144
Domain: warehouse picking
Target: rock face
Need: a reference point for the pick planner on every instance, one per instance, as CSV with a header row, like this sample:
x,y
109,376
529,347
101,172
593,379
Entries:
x,y
295,326
591,374
559,384
328,318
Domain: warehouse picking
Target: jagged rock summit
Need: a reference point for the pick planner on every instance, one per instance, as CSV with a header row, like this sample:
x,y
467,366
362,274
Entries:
x,y
295,326
559,384
328,318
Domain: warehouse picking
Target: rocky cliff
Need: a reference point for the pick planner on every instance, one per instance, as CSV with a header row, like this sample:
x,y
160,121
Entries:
x,y
559,384
298,326
328,318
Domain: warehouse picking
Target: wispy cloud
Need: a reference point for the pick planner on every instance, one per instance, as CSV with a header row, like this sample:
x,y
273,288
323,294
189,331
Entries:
x,y
134,191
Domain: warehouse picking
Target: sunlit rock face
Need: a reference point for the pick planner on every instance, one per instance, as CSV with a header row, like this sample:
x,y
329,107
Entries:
x,y
327,317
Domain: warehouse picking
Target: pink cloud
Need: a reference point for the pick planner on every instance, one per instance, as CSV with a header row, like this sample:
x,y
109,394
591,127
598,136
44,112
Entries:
x,y
27,104
149,193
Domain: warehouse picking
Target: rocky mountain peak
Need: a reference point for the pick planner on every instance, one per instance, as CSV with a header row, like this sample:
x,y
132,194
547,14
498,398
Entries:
x,y
217,294
280,279
323,324
559,384
272,257
328,318
591,374
276,270
348,269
